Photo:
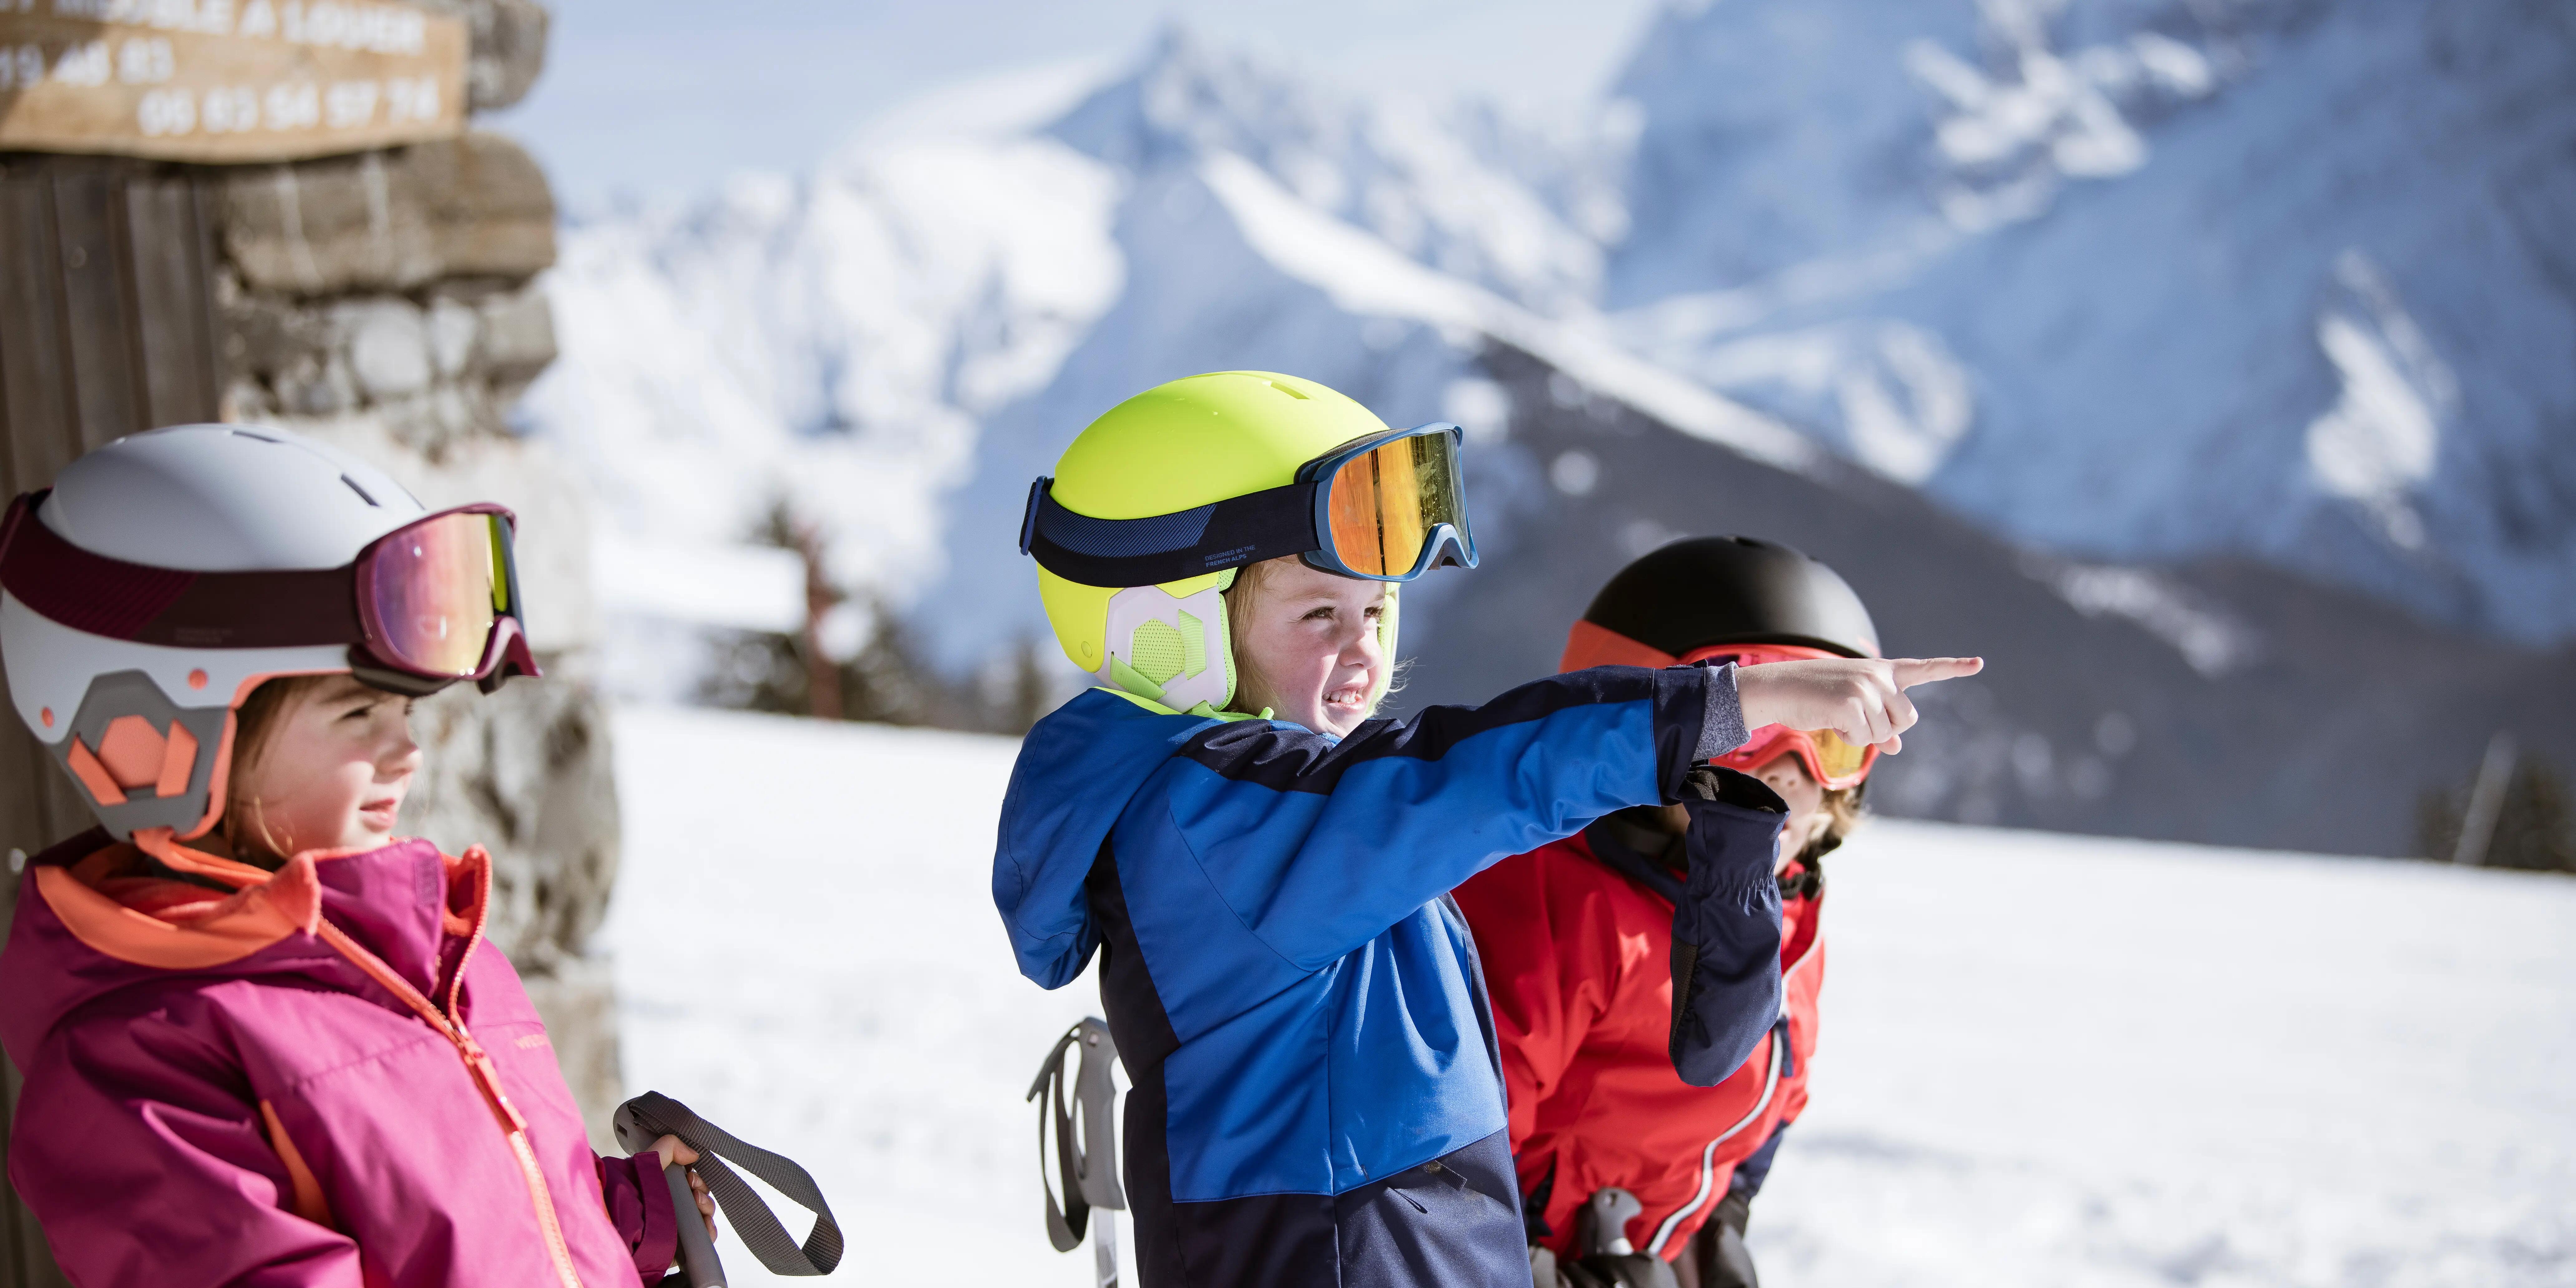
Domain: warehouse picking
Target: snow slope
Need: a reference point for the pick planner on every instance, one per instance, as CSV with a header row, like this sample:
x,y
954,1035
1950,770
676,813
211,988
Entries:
x,y
2047,1061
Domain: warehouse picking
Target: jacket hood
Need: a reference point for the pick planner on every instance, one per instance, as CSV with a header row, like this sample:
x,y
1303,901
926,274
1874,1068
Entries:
x,y
1076,772
95,915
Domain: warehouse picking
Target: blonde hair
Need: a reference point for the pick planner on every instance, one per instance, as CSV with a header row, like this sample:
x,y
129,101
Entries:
x,y
1805,877
1238,596
256,724
1843,812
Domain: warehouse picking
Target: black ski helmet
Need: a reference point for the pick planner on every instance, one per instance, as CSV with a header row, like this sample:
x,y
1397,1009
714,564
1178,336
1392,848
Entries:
x,y
1705,591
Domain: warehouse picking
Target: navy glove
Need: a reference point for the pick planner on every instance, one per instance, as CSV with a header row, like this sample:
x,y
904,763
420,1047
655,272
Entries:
x,y
1726,926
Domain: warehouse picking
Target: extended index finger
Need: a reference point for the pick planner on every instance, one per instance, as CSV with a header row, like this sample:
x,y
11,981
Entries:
x,y
1911,671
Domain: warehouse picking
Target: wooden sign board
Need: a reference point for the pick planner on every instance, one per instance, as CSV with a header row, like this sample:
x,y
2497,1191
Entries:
x,y
227,80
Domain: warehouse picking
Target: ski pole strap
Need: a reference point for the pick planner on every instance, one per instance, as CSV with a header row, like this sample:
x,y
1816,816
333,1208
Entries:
x,y
654,1115
1086,1168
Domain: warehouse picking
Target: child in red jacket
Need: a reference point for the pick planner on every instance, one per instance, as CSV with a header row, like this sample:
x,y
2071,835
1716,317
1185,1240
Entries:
x,y
1623,1161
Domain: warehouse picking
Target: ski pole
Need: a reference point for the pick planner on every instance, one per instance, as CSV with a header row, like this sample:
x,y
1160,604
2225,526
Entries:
x,y
699,1265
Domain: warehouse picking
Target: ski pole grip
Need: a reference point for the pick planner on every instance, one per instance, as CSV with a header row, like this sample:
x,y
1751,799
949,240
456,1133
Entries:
x,y
651,1116
699,1267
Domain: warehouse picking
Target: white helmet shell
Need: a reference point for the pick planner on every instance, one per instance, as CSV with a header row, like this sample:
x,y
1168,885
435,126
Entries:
x,y
146,729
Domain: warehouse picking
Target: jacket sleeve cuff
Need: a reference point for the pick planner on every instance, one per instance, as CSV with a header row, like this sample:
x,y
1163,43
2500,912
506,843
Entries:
x,y
1697,715
639,1204
1721,727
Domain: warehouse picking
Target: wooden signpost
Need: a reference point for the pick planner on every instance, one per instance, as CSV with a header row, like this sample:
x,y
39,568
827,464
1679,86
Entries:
x,y
227,80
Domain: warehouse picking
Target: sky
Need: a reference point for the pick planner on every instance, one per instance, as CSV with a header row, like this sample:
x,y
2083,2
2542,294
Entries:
x,y
657,97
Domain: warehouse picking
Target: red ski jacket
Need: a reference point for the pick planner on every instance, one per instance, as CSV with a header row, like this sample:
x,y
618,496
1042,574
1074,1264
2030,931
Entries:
x,y
1577,962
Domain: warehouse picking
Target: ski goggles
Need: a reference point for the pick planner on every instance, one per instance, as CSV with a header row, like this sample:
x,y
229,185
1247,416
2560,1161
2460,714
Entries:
x,y
421,607
1829,759
1388,507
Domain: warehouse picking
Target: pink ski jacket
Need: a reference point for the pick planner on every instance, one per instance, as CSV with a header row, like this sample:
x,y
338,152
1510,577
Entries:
x,y
306,1078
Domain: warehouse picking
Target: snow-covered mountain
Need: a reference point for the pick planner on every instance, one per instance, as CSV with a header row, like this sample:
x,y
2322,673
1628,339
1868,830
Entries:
x,y
2128,306
2123,279
894,345
2144,280
830,343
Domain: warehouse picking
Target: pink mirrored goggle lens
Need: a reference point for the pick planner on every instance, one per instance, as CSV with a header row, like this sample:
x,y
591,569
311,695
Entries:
x,y
436,589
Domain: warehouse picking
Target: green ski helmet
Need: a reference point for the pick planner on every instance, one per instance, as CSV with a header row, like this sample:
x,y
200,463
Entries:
x,y
1156,504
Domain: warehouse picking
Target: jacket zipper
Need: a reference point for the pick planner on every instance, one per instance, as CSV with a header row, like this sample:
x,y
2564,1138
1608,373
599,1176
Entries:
x,y
478,1063
159,843
1770,1085
1708,1156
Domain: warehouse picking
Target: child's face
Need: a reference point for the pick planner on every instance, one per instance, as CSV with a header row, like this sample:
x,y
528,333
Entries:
x,y
1787,775
333,773
1309,648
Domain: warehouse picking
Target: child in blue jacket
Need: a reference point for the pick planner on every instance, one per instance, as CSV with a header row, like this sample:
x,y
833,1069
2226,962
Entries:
x,y
1265,869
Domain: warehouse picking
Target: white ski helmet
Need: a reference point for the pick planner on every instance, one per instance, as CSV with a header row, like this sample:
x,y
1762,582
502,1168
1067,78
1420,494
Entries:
x,y
168,574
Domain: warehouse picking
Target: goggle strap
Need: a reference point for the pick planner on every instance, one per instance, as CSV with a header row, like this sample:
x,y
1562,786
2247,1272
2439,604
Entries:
x,y
174,607
1268,524
292,608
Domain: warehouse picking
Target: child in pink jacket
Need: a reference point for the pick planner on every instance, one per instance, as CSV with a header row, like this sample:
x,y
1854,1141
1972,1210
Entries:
x,y
263,1040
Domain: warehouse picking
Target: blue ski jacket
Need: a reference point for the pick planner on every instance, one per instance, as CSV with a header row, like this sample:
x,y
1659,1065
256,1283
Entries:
x,y
1317,1098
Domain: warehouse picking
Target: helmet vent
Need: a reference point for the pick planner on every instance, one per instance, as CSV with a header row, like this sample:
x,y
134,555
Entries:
x,y
244,433
362,492
1285,390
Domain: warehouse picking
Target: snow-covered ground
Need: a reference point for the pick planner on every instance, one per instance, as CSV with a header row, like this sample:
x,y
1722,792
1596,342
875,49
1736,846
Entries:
x,y
2047,1060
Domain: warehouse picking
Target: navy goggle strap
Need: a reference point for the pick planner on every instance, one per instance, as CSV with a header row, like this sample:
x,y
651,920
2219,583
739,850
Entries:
x,y
1241,530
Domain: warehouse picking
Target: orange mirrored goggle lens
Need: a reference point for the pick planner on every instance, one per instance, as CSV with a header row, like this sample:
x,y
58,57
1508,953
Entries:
x,y
1836,758
436,590
1386,502
1831,761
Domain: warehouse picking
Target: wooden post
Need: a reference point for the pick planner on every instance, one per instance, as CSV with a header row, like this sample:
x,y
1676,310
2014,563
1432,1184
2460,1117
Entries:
x,y
2486,801
106,328
823,697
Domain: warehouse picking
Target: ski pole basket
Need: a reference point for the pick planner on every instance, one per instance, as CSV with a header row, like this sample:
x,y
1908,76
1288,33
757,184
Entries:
x,y
1086,1160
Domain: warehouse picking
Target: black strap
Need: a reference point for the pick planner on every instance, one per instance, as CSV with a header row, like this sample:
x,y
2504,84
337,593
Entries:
x,y
651,1116
1240,530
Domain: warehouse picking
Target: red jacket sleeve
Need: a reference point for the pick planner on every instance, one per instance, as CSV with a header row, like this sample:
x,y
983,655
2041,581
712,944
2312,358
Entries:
x,y
639,1205
1552,967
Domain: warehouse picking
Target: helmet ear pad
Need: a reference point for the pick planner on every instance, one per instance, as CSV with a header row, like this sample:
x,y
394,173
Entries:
x,y
76,691
1174,649
143,760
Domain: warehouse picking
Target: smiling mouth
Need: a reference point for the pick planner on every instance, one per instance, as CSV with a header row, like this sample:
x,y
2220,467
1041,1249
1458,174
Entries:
x,y
1352,699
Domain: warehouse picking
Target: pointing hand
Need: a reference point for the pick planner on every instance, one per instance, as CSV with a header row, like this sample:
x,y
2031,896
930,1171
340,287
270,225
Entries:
x,y
1863,699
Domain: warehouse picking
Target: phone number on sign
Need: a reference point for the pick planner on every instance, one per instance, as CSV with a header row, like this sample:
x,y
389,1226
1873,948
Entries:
x,y
291,105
